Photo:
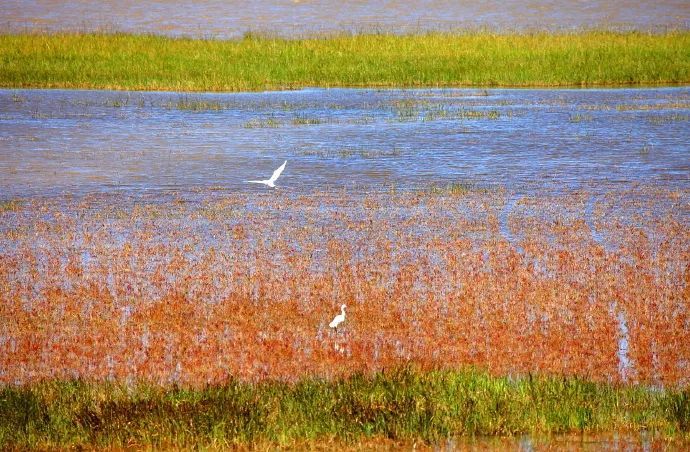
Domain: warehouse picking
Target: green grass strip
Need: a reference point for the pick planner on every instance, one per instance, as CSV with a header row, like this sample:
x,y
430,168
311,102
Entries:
x,y
400,405
149,62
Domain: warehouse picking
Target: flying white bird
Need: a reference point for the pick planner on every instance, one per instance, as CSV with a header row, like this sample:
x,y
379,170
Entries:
x,y
270,182
338,319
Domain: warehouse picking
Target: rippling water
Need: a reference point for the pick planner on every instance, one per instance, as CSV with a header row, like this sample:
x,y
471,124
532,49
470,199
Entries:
x,y
55,141
299,17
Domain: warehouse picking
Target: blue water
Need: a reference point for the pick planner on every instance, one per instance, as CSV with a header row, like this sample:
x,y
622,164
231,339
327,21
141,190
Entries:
x,y
55,141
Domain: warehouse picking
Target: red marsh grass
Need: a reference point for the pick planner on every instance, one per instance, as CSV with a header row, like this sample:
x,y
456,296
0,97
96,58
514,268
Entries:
x,y
196,291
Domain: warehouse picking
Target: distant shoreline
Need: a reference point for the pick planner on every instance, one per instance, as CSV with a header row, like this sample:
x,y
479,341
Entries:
x,y
258,63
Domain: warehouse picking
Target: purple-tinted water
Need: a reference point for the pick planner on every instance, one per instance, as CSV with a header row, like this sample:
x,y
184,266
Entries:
x,y
219,18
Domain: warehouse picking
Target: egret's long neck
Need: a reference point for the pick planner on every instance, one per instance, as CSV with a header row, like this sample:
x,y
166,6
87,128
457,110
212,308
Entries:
x,y
342,309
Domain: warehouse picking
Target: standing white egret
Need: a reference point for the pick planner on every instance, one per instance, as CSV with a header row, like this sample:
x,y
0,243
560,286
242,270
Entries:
x,y
338,319
270,182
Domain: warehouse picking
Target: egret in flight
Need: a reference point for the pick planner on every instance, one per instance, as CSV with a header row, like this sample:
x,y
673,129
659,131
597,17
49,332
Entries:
x,y
270,182
338,319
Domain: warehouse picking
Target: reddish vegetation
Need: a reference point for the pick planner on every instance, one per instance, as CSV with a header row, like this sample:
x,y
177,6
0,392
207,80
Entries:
x,y
197,290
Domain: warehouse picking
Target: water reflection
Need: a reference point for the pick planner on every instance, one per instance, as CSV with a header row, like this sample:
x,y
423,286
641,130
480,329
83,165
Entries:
x,y
574,442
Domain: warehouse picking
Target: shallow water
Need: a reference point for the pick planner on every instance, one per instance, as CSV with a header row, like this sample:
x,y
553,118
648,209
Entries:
x,y
55,141
298,17
577,188
645,441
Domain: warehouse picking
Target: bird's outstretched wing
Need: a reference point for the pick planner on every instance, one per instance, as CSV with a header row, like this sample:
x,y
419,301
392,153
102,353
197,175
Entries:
x,y
277,172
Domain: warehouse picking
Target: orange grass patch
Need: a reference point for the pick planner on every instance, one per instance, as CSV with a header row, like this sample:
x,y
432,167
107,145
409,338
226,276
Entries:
x,y
194,289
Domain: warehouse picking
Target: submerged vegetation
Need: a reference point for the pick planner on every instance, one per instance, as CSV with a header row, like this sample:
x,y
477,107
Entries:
x,y
200,288
400,405
146,62
10,205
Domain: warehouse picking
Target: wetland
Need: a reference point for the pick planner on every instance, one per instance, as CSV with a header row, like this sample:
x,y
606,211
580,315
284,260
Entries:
x,y
523,233
513,250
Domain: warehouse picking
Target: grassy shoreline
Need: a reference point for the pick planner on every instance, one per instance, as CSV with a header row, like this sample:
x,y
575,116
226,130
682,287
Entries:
x,y
402,405
477,59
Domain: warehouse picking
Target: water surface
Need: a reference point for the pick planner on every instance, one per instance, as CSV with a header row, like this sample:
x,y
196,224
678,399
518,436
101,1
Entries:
x,y
227,19
54,141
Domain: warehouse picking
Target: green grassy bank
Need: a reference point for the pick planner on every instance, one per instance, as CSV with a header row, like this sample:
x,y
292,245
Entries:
x,y
405,405
146,62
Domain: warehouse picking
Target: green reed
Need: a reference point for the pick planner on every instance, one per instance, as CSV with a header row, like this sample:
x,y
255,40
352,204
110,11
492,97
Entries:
x,y
405,404
484,59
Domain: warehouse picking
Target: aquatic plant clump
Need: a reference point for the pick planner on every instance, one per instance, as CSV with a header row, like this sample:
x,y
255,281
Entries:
x,y
197,288
148,62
